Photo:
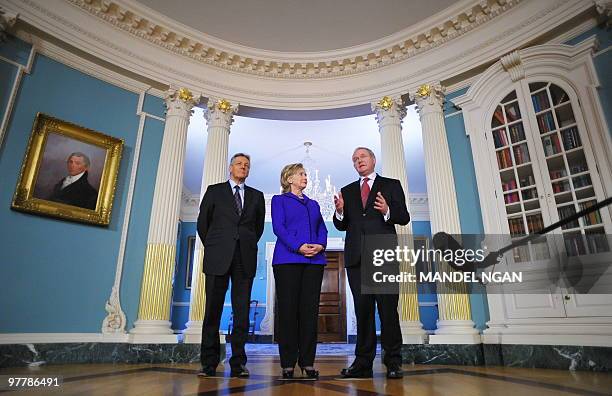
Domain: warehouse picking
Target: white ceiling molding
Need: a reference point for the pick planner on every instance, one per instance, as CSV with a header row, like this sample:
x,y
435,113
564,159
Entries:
x,y
484,44
161,31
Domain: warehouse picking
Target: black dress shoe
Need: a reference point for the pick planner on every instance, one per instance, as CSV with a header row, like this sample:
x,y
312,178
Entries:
x,y
240,372
287,373
310,373
394,372
356,372
207,371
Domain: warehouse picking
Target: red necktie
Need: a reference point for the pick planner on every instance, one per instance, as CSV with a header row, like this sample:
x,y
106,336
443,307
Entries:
x,y
365,191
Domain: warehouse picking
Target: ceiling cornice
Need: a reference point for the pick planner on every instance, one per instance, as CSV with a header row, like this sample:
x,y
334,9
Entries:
x,y
72,27
171,35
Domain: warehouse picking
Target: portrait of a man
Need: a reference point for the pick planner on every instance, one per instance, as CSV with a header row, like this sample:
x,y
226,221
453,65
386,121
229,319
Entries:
x,y
70,172
74,189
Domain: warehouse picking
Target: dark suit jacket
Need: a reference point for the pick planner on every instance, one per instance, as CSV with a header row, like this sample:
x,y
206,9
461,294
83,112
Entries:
x,y
358,222
80,193
220,226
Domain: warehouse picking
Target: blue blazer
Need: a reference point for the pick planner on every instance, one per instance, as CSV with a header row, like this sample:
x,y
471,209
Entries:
x,y
296,222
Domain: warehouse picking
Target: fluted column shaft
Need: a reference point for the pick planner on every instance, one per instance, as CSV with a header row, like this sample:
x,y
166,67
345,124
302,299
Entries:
x,y
389,114
219,116
455,323
153,324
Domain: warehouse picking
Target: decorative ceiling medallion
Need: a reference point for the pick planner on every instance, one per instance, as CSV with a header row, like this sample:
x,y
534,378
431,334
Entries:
x,y
424,90
185,95
386,103
163,35
224,105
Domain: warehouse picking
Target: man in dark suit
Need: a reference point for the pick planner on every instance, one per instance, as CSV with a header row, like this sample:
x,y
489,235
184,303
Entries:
x,y
230,223
75,189
370,206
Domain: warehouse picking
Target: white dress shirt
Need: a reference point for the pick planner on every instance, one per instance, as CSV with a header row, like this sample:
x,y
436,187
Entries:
x,y
233,184
68,180
371,178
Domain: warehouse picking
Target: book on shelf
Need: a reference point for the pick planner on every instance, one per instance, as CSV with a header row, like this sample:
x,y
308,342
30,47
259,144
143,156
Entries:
x,y
565,212
521,154
511,198
504,160
498,116
540,101
512,112
571,138
516,226
545,122
551,145
527,181
591,218
578,168
499,138
581,181
511,185
597,241
534,223
516,132
529,194
557,174
574,245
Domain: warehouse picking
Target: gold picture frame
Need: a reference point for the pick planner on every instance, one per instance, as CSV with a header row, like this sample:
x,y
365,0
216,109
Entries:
x,y
69,172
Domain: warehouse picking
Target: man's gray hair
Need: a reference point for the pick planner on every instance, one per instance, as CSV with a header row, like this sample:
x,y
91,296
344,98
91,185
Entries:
x,y
239,155
366,149
81,155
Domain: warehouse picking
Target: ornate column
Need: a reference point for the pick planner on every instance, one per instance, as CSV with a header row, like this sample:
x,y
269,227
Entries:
x,y
219,116
389,113
455,325
153,323
7,20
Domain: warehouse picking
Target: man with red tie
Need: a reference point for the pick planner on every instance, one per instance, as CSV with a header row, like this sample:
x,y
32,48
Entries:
x,y
372,205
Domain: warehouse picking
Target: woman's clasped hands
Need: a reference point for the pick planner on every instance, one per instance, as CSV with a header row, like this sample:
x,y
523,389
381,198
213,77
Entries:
x,y
310,249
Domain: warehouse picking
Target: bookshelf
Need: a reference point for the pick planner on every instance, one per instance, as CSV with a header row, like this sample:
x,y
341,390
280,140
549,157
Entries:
x,y
518,182
568,171
557,168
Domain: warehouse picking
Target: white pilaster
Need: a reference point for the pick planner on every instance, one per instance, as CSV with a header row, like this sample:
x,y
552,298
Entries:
x,y
389,113
153,323
219,116
455,325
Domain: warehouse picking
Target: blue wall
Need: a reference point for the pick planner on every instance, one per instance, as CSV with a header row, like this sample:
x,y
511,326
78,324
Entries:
x,y
602,61
52,269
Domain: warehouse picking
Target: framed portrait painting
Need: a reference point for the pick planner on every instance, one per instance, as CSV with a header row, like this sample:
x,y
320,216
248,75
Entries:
x,y
69,172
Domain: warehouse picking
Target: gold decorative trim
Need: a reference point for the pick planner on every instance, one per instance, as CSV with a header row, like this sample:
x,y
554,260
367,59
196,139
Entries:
x,y
424,90
156,291
444,31
385,103
185,95
224,105
24,200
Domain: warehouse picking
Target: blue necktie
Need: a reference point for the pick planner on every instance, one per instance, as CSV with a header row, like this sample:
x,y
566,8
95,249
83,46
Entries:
x,y
238,200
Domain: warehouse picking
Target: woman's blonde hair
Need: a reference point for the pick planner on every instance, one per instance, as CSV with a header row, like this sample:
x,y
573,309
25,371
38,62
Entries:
x,y
286,173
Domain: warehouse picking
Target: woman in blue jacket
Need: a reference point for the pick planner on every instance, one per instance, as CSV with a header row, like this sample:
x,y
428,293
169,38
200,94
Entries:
x,y
298,264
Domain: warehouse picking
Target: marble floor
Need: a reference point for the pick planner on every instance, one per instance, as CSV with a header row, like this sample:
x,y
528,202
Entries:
x,y
181,379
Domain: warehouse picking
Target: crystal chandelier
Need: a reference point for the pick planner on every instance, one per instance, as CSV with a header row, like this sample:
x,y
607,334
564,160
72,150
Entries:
x,y
325,197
